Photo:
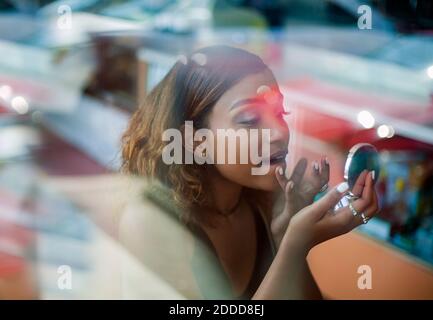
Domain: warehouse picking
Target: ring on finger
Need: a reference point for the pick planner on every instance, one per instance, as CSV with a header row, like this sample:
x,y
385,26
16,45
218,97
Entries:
x,y
324,187
352,196
352,209
364,218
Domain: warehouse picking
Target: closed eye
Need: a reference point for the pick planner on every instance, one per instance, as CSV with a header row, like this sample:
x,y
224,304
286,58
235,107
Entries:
x,y
249,121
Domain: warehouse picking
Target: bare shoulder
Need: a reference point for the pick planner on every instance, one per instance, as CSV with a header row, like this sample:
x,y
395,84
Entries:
x,y
160,242
145,225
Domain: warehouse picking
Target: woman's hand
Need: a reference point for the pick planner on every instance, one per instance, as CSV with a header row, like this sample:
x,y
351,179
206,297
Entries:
x,y
299,192
318,222
289,276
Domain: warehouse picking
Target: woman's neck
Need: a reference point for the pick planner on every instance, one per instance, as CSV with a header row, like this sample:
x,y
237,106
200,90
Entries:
x,y
226,194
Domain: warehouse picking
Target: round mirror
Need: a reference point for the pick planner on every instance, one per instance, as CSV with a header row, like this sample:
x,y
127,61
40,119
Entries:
x,y
362,156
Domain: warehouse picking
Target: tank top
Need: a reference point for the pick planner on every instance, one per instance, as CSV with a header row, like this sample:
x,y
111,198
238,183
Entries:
x,y
264,257
212,287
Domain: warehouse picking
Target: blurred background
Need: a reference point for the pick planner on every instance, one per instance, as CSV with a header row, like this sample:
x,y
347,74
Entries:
x,y
72,72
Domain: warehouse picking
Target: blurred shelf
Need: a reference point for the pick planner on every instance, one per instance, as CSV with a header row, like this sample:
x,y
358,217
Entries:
x,y
335,104
93,127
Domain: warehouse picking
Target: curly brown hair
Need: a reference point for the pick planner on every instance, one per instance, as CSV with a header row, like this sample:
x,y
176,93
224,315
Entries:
x,y
187,93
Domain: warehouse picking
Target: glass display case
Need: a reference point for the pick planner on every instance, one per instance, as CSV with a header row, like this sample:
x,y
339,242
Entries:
x,y
66,98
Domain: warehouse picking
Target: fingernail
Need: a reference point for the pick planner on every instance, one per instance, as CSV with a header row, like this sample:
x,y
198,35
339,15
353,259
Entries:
x,y
372,174
280,171
315,165
342,187
326,160
291,185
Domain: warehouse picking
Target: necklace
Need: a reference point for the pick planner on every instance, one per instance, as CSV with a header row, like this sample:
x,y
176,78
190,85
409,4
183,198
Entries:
x,y
229,212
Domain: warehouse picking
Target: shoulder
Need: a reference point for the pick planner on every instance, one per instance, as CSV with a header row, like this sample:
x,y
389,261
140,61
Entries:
x,y
146,223
159,241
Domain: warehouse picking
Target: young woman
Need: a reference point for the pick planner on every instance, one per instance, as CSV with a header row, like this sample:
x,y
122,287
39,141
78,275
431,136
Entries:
x,y
260,249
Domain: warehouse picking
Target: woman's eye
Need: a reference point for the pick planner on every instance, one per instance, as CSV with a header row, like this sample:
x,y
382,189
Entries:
x,y
248,120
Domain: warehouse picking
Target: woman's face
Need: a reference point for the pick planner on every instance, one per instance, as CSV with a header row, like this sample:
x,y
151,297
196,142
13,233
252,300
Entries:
x,y
254,103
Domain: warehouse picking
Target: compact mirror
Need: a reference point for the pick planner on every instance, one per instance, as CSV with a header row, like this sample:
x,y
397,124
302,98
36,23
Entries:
x,y
362,156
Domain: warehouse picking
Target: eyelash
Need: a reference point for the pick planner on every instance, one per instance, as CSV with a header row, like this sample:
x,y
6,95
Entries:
x,y
251,122
256,119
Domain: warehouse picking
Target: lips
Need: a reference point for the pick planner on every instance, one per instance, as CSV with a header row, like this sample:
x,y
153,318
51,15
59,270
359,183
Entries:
x,y
278,157
275,158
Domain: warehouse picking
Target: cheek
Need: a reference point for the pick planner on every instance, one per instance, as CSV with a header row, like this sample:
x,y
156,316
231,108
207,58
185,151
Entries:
x,y
239,150
241,173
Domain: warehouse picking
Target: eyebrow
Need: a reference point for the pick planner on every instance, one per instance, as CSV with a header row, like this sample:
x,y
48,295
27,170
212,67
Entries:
x,y
252,101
